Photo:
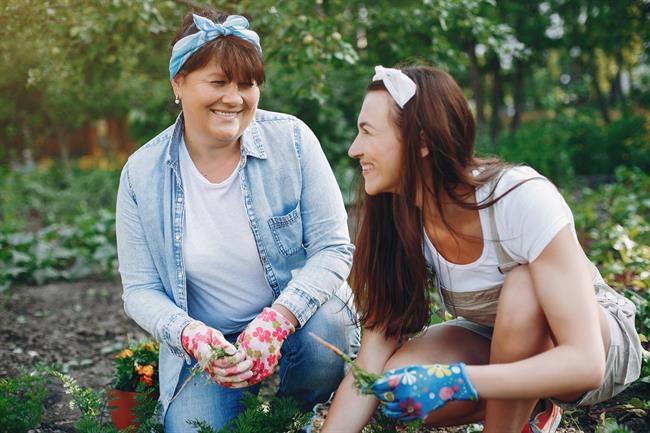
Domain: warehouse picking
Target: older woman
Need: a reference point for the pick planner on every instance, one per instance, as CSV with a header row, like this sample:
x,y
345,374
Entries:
x,y
232,235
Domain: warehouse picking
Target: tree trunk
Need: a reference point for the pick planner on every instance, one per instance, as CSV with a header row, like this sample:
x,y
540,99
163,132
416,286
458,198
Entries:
x,y
518,96
27,149
600,97
616,92
64,152
475,79
497,97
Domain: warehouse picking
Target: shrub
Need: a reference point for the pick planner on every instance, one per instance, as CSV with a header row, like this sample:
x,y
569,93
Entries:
x,y
544,146
136,367
275,415
21,402
578,143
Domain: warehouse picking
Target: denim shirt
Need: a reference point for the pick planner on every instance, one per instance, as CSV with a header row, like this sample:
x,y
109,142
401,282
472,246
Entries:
x,y
295,211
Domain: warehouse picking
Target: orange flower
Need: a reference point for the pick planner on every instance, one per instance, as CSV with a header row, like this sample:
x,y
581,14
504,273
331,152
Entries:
x,y
147,380
126,353
146,370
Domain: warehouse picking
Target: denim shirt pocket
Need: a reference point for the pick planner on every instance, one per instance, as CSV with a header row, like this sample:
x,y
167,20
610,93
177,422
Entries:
x,y
287,231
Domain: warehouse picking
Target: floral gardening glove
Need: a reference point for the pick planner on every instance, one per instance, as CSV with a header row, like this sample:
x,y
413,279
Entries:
x,y
410,393
217,357
262,340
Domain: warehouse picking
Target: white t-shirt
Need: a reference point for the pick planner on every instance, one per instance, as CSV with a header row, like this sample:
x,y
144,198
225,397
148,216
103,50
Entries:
x,y
226,286
527,219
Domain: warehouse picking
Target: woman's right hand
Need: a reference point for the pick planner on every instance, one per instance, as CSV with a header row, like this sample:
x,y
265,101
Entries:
x,y
221,360
375,351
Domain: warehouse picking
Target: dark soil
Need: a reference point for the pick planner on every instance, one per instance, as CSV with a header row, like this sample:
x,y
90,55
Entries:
x,y
78,326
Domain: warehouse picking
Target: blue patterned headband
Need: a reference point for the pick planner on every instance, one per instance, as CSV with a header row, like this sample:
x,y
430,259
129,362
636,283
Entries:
x,y
235,25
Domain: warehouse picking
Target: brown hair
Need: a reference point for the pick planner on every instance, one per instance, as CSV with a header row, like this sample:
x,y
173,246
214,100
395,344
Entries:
x,y
239,59
389,275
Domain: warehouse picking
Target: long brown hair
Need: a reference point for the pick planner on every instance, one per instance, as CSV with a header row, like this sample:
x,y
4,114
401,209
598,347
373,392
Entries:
x,y
389,275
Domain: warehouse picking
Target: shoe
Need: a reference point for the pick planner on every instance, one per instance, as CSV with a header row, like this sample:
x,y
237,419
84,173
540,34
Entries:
x,y
546,421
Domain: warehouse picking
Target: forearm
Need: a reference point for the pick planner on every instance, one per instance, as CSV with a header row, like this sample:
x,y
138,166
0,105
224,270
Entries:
x,y
561,279
323,274
286,313
373,356
562,370
158,315
340,418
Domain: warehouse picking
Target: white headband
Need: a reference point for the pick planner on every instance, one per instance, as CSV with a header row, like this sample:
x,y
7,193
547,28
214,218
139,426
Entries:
x,y
398,84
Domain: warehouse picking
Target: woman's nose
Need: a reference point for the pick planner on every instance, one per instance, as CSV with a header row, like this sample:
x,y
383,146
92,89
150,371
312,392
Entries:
x,y
355,149
231,94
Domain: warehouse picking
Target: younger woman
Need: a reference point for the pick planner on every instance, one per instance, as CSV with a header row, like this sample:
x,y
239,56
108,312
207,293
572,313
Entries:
x,y
534,319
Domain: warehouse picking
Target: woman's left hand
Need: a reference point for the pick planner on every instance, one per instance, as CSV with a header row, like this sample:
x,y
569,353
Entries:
x,y
262,340
410,393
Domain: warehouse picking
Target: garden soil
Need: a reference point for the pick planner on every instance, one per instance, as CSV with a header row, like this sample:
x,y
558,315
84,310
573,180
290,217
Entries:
x,y
77,326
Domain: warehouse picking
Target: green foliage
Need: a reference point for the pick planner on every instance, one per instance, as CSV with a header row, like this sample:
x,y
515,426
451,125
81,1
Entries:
x,y
609,425
544,146
146,411
613,226
92,405
56,227
21,402
578,143
89,402
38,197
274,415
60,251
380,423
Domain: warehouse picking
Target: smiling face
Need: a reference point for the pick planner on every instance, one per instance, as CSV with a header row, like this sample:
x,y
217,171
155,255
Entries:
x,y
217,110
377,145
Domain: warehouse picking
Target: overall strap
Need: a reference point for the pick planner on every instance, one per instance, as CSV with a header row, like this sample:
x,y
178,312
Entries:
x,y
506,262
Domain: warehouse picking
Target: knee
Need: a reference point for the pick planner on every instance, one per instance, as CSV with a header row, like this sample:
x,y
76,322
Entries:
x,y
519,309
521,325
332,324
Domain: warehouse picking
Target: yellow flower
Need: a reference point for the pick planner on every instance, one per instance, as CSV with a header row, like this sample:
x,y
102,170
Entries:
x,y
146,370
439,370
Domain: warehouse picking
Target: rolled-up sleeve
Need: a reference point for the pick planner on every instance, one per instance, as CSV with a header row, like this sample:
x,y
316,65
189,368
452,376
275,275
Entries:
x,y
145,299
325,232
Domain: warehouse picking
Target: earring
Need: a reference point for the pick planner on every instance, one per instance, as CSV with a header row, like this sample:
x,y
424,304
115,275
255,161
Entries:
x,y
177,100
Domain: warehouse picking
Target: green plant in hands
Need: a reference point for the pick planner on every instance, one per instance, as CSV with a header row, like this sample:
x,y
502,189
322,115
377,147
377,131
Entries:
x,y
363,379
196,370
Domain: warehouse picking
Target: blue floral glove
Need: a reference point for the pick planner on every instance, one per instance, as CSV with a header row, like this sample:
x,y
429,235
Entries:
x,y
410,393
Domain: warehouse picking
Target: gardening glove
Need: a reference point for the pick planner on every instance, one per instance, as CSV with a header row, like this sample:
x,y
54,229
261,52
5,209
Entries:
x,y
410,393
262,340
217,357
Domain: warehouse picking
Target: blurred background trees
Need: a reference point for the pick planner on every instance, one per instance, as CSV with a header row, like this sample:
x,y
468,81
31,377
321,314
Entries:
x,y
562,85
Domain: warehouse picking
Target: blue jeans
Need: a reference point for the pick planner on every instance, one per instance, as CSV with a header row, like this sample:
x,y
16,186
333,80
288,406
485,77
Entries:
x,y
309,373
